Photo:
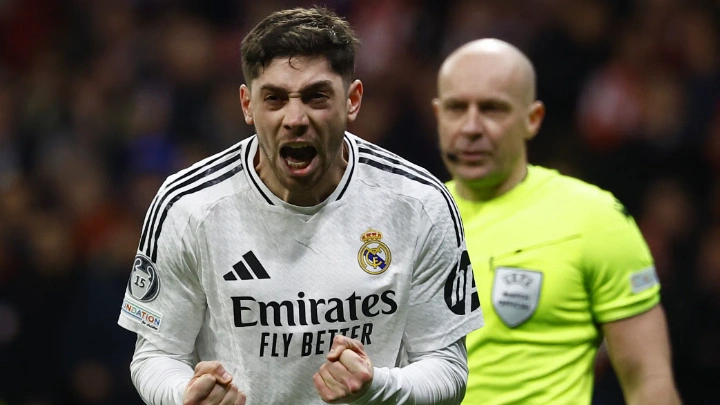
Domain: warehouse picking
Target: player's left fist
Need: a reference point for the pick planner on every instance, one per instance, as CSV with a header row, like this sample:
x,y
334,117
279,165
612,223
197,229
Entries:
x,y
347,373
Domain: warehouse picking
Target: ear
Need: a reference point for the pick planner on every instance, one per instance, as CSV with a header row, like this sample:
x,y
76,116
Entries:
x,y
535,118
355,93
436,106
245,104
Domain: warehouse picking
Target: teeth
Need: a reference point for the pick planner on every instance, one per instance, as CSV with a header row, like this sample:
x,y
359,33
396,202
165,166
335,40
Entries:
x,y
297,165
296,146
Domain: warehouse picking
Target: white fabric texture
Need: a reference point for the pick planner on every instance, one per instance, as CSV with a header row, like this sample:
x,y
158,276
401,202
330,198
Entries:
x,y
437,377
227,271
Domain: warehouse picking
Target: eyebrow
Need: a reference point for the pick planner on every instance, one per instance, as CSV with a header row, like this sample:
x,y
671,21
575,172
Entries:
x,y
461,100
452,100
310,87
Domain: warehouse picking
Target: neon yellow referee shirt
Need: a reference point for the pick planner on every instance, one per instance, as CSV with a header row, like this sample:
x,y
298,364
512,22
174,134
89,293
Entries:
x,y
553,258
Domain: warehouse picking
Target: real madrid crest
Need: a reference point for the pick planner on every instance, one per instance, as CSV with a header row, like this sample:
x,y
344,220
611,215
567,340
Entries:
x,y
374,256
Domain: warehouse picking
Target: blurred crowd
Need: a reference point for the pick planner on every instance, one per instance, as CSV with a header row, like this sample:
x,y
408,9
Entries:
x,y
100,100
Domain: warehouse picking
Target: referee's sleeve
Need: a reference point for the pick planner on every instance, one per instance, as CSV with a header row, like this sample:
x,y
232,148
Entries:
x,y
618,266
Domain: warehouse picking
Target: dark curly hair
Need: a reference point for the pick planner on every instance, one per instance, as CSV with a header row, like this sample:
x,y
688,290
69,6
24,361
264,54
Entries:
x,y
312,32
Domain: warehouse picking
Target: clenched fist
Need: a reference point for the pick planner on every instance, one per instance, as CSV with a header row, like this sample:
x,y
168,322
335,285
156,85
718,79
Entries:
x,y
212,385
347,373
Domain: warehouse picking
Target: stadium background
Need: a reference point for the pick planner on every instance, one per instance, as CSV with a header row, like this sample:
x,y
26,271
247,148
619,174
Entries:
x,y
100,100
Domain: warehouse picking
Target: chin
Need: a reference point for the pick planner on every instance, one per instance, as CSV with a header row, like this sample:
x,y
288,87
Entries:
x,y
473,174
299,183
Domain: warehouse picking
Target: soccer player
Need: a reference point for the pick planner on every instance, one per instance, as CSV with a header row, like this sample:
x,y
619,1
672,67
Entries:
x,y
559,263
303,264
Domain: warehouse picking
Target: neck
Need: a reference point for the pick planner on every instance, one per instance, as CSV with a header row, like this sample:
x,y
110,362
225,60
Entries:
x,y
487,189
304,196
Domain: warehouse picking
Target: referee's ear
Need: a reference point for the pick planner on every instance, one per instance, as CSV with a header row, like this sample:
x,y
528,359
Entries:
x,y
245,104
535,116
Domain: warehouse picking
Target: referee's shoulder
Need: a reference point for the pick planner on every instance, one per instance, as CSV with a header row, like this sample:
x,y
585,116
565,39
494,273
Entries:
x,y
578,191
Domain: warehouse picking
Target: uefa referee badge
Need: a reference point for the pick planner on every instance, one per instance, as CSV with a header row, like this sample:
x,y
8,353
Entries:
x,y
515,294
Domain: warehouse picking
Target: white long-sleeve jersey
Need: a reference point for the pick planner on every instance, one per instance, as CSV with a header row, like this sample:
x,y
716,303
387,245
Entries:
x,y
227,271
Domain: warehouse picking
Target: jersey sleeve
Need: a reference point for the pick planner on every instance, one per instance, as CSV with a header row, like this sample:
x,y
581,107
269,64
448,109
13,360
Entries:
x,y
164,301
621,274
444,303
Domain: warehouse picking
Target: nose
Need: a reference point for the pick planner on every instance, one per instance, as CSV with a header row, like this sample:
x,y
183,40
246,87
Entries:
x,y
472,122
296,118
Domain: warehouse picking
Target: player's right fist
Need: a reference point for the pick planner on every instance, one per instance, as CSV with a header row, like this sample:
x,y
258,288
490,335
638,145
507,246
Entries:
x,y
212,385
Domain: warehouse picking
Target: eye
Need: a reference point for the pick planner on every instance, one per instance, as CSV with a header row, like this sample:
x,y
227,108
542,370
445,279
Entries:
x,y
492,107
316,99
455,107
274,100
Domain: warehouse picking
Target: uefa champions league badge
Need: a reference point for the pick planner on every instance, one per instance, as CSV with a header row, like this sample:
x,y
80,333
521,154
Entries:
x,y
144,284
374,256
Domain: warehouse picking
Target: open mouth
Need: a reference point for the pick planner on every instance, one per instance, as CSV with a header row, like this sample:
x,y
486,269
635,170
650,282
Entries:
x,y
298,157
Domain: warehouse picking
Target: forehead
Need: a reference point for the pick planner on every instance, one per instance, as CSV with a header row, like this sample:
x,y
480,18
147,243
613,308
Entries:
x,y
480,76
297,72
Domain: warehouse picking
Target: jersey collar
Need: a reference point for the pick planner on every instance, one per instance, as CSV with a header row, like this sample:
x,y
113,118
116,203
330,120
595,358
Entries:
x,y
251,148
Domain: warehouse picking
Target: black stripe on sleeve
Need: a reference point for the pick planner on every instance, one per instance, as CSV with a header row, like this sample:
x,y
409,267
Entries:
x,y
174,186
146,223
376,151
176,198
207,167
405,173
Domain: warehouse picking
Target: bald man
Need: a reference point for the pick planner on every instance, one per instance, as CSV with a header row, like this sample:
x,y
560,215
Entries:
x,y
559,263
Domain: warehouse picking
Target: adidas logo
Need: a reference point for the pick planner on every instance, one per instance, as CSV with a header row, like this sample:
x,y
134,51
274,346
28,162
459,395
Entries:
x,y
255,269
